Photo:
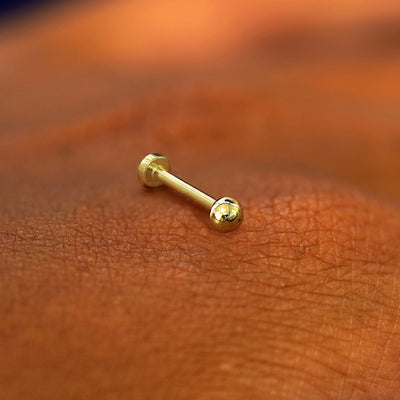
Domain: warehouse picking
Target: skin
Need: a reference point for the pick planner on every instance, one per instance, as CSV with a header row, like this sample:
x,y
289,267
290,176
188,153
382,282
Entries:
x,y
110,290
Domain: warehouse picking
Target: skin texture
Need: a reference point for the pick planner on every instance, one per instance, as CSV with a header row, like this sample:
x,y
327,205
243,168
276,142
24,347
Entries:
x,y
112,291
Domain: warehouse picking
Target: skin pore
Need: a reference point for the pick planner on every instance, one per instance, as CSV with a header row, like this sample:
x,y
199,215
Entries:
x,y
109,290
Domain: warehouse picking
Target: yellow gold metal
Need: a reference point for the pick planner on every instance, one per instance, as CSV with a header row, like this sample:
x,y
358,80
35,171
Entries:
x,y
226,214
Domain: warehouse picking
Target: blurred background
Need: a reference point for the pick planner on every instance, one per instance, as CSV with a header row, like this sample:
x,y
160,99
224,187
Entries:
x,y
307,84
12,6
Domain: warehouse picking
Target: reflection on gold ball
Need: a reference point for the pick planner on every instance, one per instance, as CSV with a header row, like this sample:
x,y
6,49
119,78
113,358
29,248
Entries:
x,y
226,214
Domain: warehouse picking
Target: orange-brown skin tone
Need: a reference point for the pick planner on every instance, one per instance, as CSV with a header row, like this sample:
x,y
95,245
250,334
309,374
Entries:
x,y
112,291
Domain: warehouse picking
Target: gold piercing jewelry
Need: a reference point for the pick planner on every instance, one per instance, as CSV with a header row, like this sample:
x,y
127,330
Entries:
x,y
226,214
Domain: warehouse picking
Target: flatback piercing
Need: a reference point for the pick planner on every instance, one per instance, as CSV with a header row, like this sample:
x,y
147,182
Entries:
x,y
225,214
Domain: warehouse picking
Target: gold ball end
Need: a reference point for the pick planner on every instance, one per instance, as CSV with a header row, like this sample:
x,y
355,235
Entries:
x,y
226,214
148,166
